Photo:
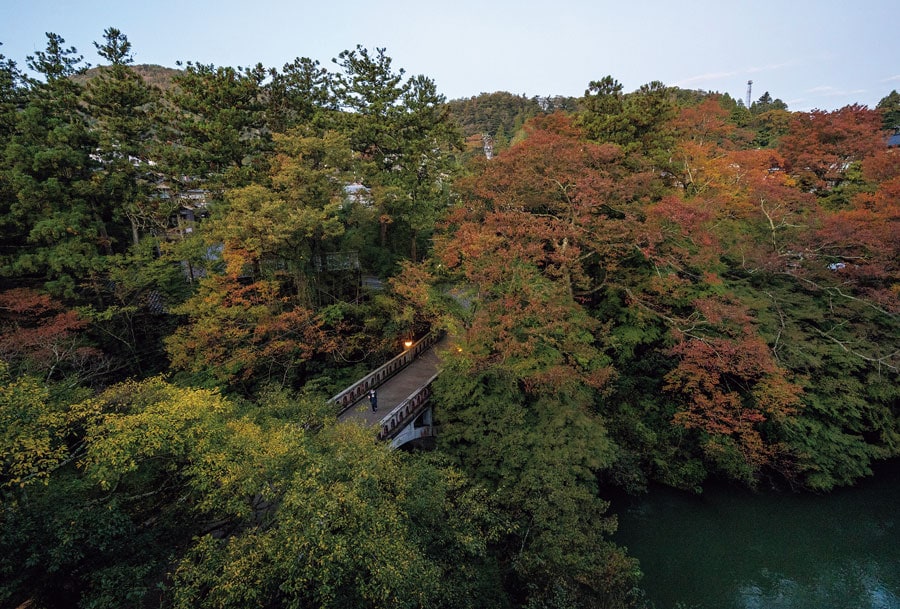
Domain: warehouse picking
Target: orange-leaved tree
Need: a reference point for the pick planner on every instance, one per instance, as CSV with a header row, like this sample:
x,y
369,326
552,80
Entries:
x,y
41,337
545,227
243,333
821,146
730,388
860,243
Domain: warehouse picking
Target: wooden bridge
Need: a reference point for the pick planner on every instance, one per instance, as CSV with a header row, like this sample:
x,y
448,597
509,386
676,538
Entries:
x,y
403,386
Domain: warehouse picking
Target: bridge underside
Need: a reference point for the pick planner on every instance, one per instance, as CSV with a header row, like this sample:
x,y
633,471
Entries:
x,y
418,432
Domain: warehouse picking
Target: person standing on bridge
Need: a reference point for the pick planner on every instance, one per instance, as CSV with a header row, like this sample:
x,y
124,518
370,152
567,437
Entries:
x,y
373,400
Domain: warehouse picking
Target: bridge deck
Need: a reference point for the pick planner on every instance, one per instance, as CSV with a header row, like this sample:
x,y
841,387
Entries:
x,y
397,388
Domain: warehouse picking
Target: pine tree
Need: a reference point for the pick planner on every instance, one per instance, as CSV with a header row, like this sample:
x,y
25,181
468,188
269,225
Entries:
x,y
121,105
61,234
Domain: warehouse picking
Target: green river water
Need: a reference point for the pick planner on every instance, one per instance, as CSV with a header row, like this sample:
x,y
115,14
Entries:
x,y
732,549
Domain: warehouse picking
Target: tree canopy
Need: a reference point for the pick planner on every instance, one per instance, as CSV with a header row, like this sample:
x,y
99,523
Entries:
x,y
656,286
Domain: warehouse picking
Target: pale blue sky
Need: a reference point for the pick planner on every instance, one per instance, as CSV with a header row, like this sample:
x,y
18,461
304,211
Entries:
x,y
810,53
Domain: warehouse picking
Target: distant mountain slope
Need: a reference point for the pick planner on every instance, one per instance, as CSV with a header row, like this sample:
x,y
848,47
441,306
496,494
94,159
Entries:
x,y
158,76
502,113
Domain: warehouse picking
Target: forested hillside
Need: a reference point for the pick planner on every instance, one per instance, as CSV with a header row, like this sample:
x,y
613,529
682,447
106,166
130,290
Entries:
x,y
155,76
661,286
499,117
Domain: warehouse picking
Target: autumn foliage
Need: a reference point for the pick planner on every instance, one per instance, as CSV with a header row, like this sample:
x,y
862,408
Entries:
x,y
242,332
729,385
41,336
656,286
721,274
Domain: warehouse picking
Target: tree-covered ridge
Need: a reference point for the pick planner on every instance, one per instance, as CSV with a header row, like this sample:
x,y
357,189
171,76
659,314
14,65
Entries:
x,y
156,76
501,112
655,286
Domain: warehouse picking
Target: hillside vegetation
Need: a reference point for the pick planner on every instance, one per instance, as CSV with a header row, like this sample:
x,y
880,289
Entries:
x,y
153,75
661,286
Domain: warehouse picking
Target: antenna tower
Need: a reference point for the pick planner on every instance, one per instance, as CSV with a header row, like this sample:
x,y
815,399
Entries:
x,y
749,88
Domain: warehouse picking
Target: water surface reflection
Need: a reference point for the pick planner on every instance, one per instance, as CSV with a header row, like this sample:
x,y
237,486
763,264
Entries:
x,y
731,549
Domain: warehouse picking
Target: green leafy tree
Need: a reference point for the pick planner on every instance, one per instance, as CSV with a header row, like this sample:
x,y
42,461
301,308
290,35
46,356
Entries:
x,y
145,284
369,91
122,108
121,105
845,355
12,100
351,529
103,528
215,119
766,104
496,114
270,503
10,95
404,134
58,225
429,140
294,220
648,111
300,94
602,117
275,240
889,105
521,402
130,477
539,455
33,443
636,121
770,127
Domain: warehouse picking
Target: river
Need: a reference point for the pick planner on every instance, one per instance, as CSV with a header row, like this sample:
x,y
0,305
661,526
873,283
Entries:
x,y
732,549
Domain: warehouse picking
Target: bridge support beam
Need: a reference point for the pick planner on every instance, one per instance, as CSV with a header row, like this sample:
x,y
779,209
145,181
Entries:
x,y
419,428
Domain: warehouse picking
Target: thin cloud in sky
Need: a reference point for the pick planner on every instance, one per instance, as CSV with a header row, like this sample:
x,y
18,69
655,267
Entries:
x,y
830,91
892,78
713,76
774,66
718,76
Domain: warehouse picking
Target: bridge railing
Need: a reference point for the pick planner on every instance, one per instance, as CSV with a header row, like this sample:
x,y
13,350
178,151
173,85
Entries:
x,y
349,396
405,411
